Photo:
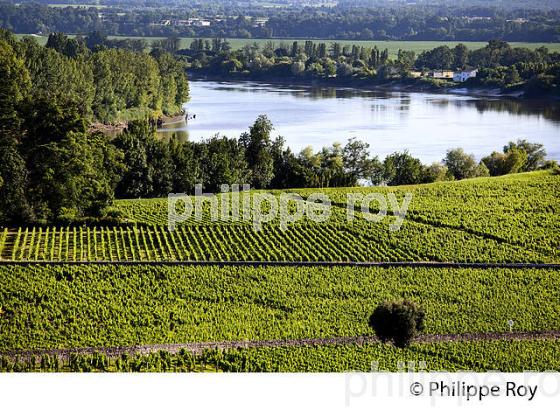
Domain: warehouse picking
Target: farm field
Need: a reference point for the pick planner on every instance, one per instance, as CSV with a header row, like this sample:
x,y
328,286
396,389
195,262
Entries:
x,y
507,219
507,356
358,242
392,46
103,306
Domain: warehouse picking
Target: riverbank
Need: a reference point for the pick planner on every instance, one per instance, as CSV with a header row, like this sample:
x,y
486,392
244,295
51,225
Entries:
x,y
108,128
117,128
396,85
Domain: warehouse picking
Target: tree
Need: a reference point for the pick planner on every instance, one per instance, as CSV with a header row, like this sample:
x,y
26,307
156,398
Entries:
x,y
257,144
56,76
316,70
536,154
459,164
460,56
298,68
69,47
331,170
96,40
400,168
512,76
436,172
137,180
231,65
74,180
439,58
344,70
187,171
311,166
288,171
14,88
357,162
71,174
398,322
174,87
509,162
14,206
222,162
336,50
405,60
170,44
162,167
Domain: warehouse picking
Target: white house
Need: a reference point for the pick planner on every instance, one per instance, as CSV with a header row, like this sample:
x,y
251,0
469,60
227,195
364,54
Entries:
x,y
462,76
440,74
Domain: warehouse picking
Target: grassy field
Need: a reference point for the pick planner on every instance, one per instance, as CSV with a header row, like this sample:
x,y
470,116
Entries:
x,y
392,46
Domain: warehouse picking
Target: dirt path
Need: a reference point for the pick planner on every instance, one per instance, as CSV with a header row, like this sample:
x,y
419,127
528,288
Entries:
x,y
198,347
459,265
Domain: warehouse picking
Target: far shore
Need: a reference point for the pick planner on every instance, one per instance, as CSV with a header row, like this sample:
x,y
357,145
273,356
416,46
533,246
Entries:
x,y
404,85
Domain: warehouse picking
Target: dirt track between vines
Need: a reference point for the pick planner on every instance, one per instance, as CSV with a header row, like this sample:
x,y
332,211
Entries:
x,y
411,264
199,347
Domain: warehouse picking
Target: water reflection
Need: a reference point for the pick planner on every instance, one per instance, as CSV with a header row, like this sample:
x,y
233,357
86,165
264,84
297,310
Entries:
x,y
548,110
426,124
534,108
301,91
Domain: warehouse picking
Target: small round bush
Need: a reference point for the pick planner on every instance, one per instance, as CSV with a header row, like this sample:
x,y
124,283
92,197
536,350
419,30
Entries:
x,y
397,322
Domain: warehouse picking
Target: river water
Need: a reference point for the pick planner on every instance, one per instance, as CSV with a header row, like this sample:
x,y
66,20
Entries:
x,y
425,124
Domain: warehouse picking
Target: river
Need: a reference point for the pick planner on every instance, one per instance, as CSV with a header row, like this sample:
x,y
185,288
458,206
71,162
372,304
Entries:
x,y
425,124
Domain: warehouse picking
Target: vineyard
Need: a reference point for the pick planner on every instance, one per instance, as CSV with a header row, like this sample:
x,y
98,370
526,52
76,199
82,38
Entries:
x,y
509,219
196,243
77,306
319,242
506,219
506,356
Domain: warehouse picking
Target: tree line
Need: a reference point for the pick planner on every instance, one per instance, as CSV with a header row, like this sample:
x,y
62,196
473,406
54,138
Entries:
x,y
113,83
155,167
390,21
498,63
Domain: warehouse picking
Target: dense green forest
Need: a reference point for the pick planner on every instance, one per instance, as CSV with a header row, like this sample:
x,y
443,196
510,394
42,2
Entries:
x,y
348,20
110,83
52,167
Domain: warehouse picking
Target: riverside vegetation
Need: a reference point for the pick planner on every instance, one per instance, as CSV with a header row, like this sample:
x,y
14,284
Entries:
x,y
50,158
532,73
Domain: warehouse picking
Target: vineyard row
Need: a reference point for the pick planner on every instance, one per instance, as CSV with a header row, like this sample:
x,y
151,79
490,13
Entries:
x,y
191,243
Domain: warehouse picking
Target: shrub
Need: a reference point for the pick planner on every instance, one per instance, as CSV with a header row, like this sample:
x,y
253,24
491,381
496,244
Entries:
x,y
398,322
